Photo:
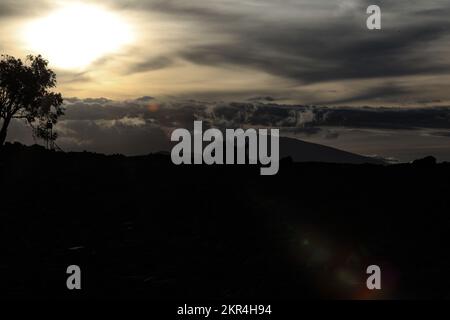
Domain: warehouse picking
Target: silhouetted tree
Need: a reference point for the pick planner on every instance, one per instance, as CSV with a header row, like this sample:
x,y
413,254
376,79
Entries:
x,y
25,93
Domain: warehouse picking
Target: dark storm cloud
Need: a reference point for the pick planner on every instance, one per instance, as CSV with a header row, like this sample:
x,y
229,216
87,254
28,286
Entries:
x,y
121,137
151,64
329,52
263,99
238,114
15,8
144,125
332,46
194,9
145,99
73,77
441,134
385,91
7,8
10,8
384,118
319,42
148,109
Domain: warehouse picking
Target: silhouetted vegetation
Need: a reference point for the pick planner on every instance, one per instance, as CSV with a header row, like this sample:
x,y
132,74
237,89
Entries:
x,y
142,227
25,94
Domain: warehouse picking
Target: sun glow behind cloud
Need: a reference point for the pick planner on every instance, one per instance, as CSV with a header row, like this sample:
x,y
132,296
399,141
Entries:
x,y
75,35
306,52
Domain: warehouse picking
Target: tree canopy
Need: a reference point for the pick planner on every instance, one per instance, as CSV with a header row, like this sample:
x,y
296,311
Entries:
x,y
26,93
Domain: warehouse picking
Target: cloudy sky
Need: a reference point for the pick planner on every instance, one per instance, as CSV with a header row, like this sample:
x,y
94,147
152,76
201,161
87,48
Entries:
x,y
220,59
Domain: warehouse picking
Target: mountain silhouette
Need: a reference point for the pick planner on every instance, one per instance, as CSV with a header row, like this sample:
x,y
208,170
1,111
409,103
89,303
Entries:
x,y
301,151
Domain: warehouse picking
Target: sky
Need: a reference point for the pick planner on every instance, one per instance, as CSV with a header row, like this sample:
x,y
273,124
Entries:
x,y
139,68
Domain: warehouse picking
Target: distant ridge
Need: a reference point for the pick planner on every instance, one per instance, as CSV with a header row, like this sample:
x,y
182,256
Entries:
x,y
301,151
297,150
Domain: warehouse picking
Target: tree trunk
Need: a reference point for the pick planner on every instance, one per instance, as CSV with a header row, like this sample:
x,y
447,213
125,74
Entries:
x,y
4,131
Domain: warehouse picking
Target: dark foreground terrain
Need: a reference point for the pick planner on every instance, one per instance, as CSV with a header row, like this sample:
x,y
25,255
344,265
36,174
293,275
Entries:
x,y
143,228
